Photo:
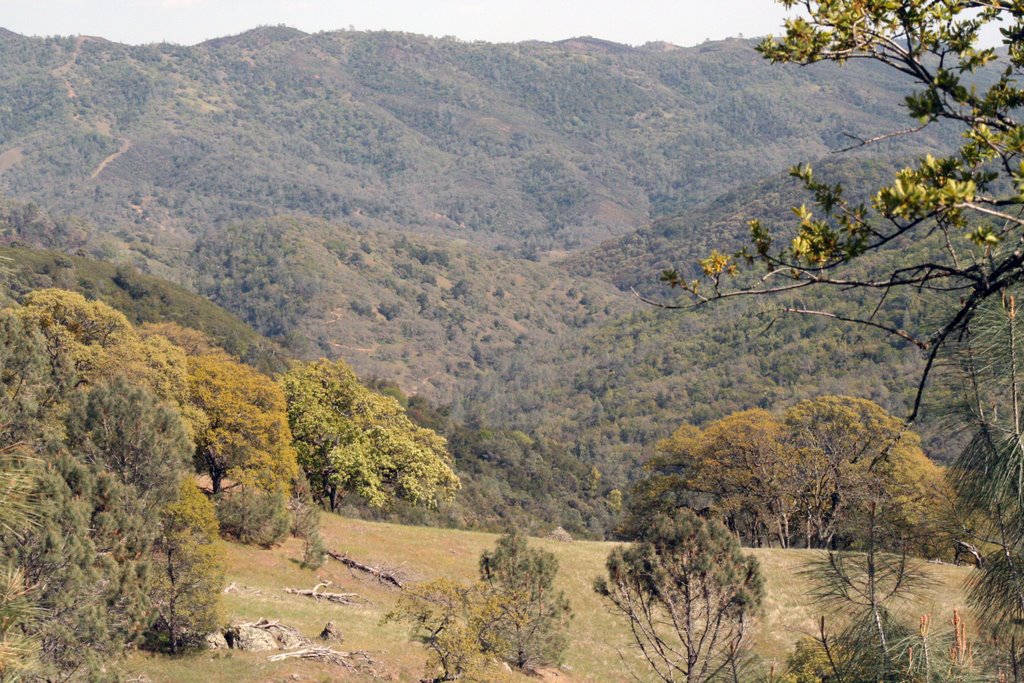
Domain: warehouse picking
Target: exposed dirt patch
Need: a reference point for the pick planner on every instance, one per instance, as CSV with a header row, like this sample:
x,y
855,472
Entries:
x,y
126,144
64,69
10,158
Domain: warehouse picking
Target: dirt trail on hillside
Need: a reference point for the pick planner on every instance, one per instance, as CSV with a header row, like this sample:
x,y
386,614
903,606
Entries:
x,y
62,71
126,144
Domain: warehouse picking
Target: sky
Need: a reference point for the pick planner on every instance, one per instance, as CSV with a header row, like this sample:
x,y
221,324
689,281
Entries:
x,y
683,22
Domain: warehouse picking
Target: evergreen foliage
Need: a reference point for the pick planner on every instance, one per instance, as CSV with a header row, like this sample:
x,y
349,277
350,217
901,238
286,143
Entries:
x,y
253,516
120,428
687,594
531,617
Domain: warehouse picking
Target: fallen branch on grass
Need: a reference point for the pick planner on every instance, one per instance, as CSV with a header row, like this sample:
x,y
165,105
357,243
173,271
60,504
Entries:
x,y
382,575
317,594
360,660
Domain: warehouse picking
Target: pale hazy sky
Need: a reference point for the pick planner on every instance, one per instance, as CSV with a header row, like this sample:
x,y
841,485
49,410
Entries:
x,y
684,22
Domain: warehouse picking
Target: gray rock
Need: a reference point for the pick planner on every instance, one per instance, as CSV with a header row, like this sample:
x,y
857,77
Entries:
x,y
216,641
289,639
249,638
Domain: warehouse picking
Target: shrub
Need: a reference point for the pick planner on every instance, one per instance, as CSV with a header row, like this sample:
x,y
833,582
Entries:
x,y
253,517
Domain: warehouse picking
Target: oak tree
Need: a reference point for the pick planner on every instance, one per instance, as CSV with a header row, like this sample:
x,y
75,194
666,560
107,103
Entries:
x,y
243,434
351,440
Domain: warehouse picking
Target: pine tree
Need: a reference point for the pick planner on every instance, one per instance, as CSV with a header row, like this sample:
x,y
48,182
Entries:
x,y
531,615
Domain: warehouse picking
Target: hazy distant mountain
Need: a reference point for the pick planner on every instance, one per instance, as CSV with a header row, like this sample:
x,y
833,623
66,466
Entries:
x,y
531,147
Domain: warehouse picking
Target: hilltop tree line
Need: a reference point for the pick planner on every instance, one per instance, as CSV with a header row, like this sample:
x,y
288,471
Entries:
x,y
805,478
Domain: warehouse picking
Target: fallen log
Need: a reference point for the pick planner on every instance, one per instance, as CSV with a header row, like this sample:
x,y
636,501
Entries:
x,y
381,575
317,594
359,660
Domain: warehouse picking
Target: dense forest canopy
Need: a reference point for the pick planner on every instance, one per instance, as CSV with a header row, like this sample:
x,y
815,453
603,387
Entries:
x,y
533,147
235,182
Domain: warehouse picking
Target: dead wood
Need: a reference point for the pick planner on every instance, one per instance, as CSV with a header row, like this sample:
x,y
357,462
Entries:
x,y
317,594
384,576
359,660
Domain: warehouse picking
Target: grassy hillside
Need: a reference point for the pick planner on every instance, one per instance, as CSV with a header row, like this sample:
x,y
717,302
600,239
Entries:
x,y
531,146
598,638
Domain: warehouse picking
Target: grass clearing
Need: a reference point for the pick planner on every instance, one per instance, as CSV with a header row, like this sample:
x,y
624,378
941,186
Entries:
x,y
424,553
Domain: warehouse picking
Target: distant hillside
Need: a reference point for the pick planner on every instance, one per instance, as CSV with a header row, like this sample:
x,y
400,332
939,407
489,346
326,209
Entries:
x,y
531,147
371,196
680,240
434,316
142,298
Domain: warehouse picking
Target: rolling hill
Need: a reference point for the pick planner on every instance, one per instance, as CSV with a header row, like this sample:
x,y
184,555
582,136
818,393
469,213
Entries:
x,y
373,196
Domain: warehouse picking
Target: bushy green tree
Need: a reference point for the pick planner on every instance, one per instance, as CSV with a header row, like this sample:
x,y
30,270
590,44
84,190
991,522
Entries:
x,y
451,620
121,428
33,383
531,616
687,594
89,560
253,516
353,440
189,568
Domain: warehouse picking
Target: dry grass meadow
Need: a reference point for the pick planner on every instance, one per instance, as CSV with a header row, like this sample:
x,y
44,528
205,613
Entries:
x,y
599,648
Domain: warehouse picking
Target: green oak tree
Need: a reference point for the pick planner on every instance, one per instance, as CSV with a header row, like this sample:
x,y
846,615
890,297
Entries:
x,y
351,440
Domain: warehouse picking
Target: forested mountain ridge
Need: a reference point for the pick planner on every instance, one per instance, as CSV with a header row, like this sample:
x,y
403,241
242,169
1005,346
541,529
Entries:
x,y
338,193
532,147
435,316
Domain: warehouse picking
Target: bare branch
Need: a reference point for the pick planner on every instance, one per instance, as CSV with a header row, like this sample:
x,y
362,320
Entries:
x,y
861,321
863,142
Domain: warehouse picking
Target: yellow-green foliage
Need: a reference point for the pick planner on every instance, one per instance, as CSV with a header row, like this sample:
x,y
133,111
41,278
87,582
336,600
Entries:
x,y
808,663
100,342
190,570
451,619
244,433
353,440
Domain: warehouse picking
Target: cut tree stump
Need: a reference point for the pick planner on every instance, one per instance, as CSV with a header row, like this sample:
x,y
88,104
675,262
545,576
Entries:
x,y
331,633
382,575
317,594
